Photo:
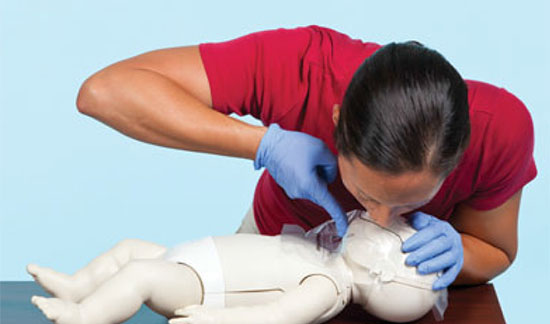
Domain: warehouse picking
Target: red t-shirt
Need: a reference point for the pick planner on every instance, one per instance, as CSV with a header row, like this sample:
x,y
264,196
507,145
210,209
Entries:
x,y
293,77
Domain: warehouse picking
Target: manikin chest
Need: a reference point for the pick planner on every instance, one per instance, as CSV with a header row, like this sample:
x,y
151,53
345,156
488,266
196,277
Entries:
x,y
258,269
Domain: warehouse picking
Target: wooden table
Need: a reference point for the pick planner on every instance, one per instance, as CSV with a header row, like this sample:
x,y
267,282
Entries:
x,y
477,304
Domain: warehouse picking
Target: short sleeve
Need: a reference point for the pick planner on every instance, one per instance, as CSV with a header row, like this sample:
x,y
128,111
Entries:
x,y
258,74
507,156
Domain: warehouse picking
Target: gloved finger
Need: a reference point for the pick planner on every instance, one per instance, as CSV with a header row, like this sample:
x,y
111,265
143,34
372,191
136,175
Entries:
x,y
324,155
440,262
327,172
421,238
433,248
322,197
335,211
420,220
447,278
327,164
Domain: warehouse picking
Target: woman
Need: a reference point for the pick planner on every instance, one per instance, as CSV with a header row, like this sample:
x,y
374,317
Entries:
x,y
348,125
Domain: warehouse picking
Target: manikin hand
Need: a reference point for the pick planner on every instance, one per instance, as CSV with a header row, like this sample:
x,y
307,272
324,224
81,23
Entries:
x,y
196,314
437,246
303,166
200,314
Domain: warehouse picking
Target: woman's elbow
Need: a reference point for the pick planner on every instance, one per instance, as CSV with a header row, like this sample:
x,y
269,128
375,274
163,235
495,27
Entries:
x,y
92,95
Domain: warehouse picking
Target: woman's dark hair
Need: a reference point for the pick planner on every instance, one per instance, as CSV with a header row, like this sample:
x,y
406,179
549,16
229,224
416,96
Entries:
x,y
405,109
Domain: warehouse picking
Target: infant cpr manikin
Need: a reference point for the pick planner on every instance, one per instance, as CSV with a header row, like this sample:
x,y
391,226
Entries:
x,y
245,278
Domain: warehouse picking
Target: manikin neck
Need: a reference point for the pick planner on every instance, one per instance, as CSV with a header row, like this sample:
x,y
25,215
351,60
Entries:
x,y
356,297
357,291
357,294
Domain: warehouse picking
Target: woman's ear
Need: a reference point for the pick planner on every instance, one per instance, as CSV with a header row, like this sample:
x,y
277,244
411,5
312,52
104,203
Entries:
x,y
335,113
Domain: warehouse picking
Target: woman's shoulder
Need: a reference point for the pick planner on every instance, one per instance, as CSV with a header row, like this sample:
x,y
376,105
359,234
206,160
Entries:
x,y
494,100
499,159
498,118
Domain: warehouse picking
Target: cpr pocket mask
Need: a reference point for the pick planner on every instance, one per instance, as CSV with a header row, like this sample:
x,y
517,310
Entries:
x,y
376,250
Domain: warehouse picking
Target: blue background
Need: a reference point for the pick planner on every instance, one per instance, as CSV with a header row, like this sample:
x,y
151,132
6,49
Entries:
x,y
72,187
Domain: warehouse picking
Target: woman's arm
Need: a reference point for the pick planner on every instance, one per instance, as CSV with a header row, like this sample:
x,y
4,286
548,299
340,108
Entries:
x,y
163,97
315,295
489,240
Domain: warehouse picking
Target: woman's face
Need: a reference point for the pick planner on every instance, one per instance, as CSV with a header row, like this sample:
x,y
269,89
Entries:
x,y
383,195
386,196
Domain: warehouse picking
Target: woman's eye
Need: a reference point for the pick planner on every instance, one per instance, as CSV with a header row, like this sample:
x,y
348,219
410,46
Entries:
x,y
369,200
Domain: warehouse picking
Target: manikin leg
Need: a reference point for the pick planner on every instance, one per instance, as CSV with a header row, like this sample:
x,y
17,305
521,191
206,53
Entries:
x,y
83,282
163,285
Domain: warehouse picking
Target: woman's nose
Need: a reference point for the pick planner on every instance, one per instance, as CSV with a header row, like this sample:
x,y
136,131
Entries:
x,y
382,215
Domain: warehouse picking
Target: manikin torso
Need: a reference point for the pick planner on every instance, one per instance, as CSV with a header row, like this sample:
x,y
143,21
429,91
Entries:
x,y
257,269
248,269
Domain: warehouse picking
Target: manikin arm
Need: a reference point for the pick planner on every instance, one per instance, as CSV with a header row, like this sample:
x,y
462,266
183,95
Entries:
x,y
316,295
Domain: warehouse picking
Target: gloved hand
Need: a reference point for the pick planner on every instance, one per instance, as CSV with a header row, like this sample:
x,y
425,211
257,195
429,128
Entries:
x,y
303,166
435,247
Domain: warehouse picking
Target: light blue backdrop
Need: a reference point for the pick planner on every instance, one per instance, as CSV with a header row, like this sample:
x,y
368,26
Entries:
x,y
71,187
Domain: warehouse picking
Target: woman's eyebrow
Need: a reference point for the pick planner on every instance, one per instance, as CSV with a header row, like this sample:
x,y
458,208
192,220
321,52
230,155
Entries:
x,y
366,196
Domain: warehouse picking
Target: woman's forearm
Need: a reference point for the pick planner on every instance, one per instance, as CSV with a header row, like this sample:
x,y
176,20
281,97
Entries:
x,y
482,261
150,107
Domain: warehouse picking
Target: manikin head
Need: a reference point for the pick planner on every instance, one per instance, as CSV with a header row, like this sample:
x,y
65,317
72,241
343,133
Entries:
x,y
402,128
382,283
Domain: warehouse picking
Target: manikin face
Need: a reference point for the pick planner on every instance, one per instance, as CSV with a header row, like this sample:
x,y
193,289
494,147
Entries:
x,y
373,254
383,195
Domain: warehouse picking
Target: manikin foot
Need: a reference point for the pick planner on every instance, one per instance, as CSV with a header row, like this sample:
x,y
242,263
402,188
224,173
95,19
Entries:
x,y
57,284
57,310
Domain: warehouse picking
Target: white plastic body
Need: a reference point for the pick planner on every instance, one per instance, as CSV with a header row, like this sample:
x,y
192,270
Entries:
x,y
259,269
250,278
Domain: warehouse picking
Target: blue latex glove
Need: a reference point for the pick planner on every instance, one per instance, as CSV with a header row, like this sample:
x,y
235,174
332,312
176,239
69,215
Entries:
x,y
303,166
435,247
